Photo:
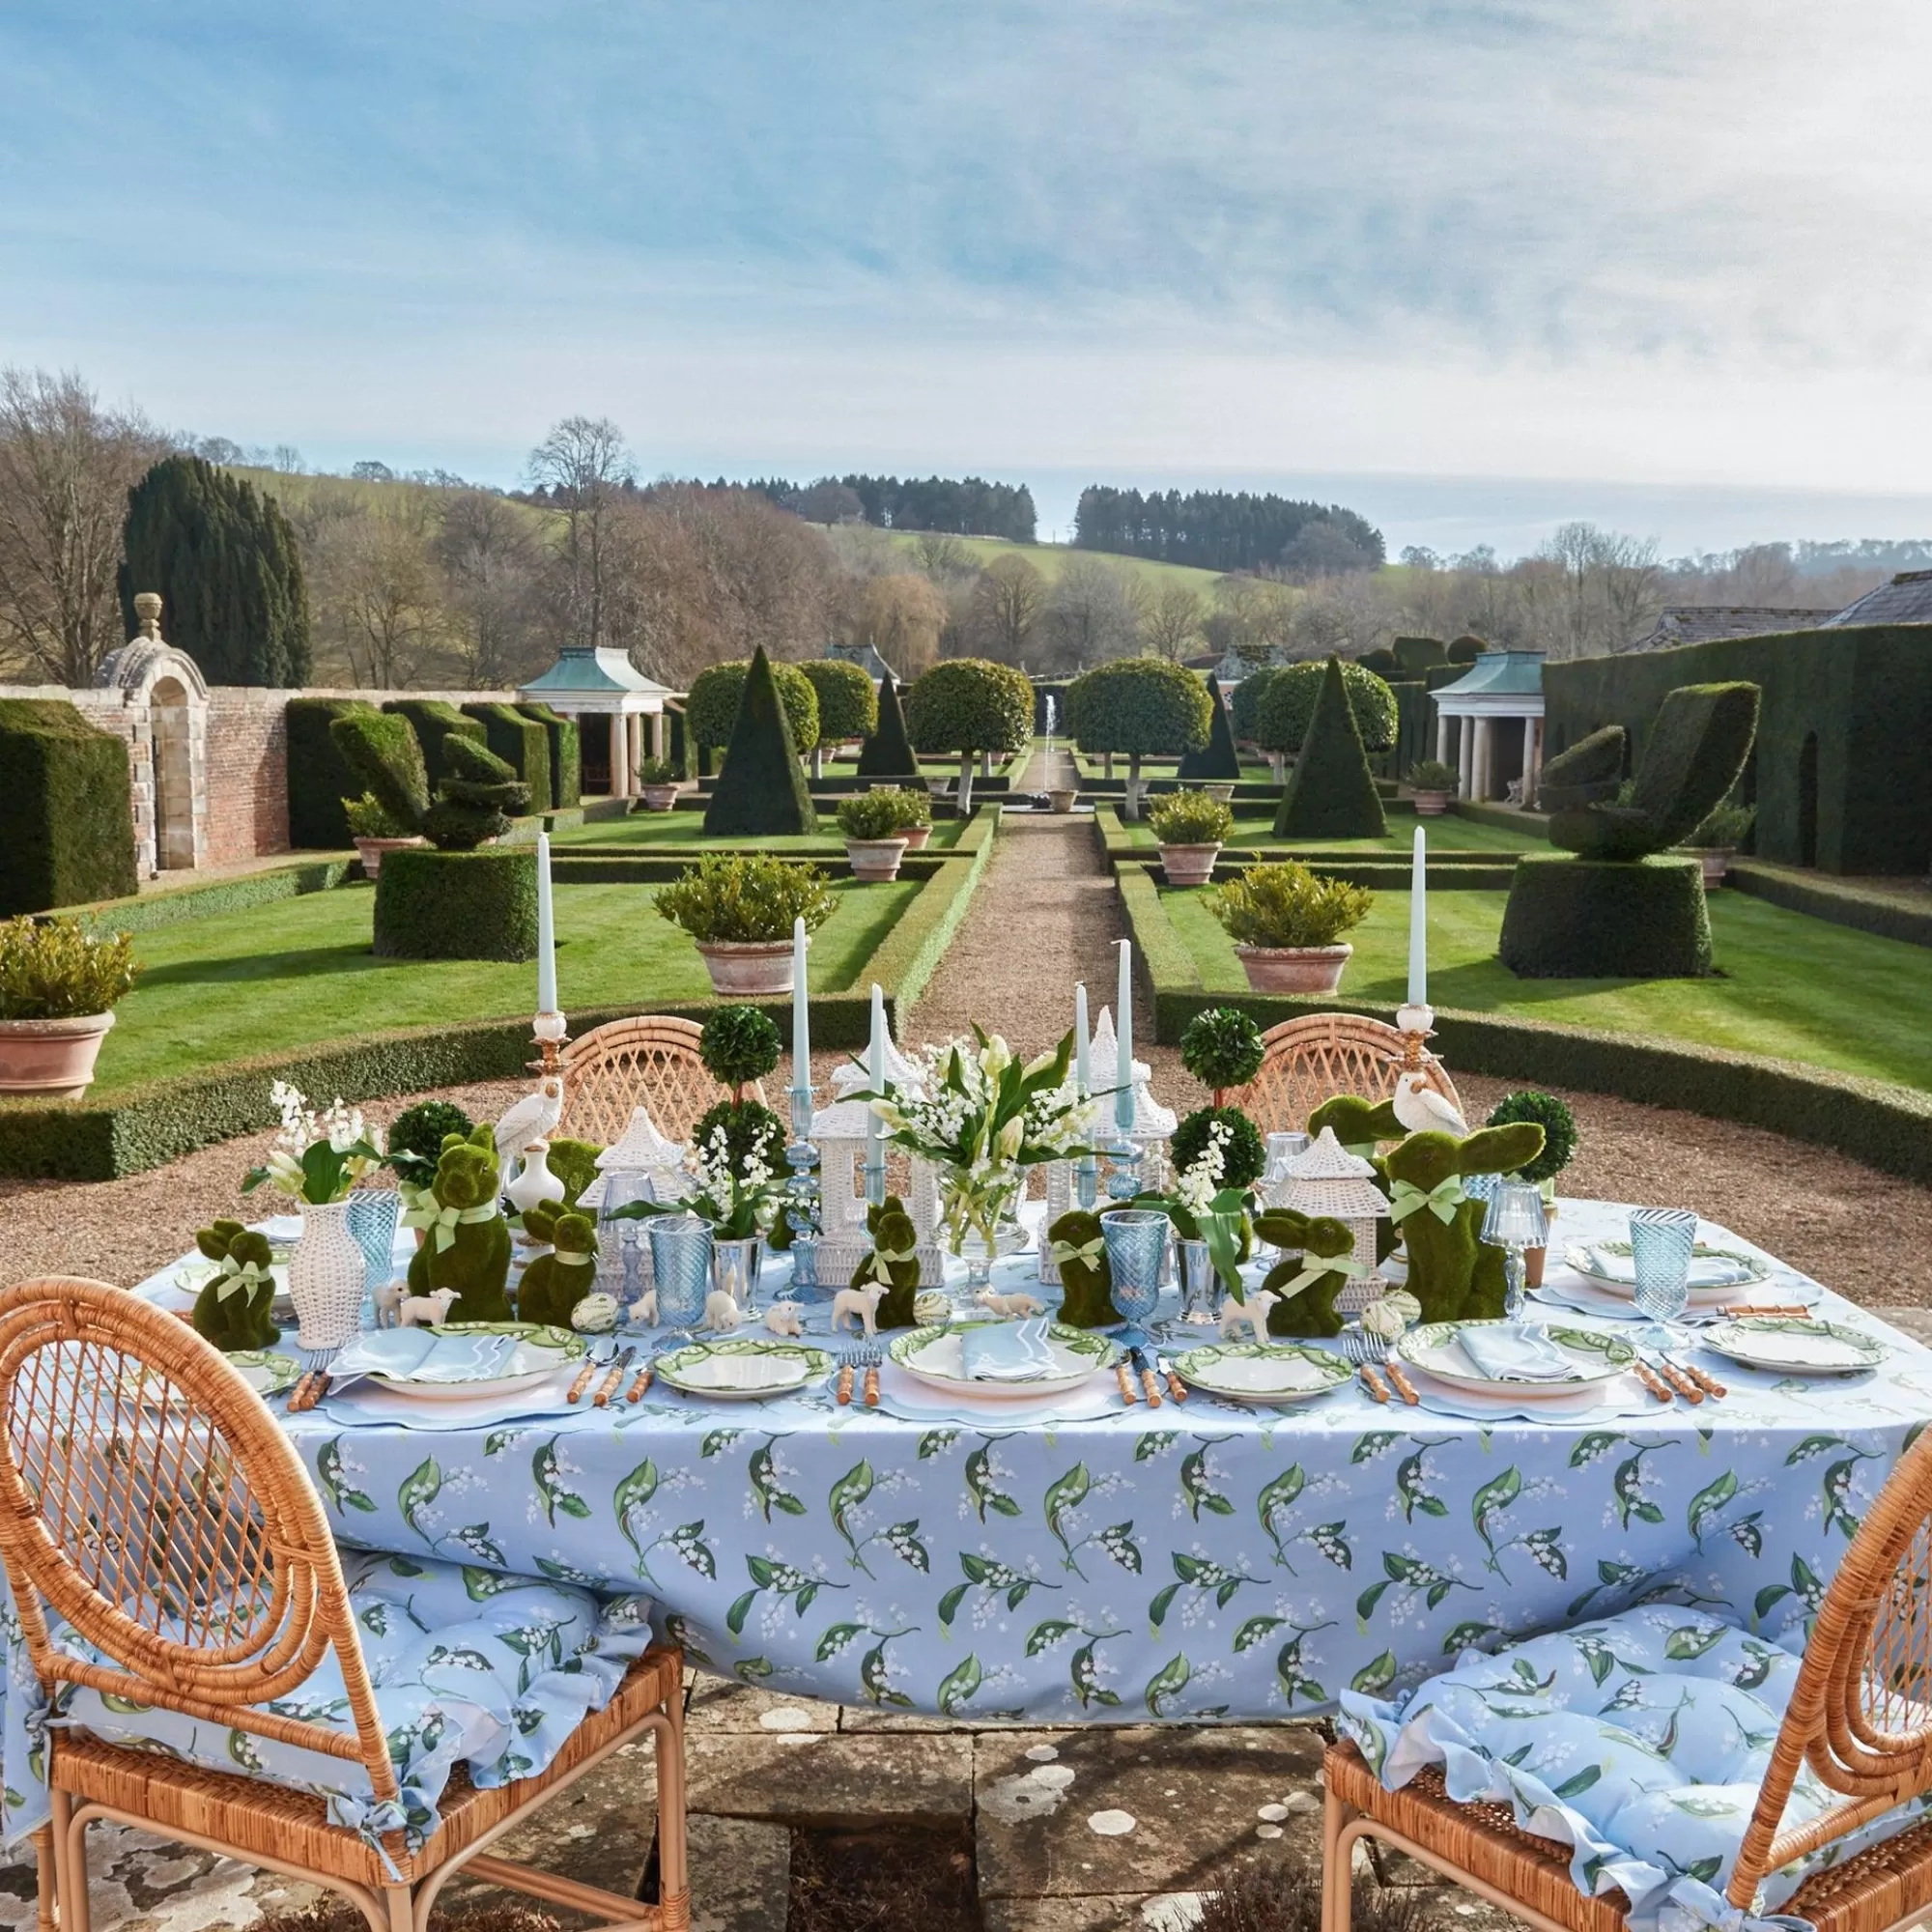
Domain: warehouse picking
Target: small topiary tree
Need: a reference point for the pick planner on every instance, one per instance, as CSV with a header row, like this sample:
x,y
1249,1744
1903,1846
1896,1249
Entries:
x,y
1244,707
970,705
848,707
886,753
1141,707
1243,1152
66,818
417,1135
522,743
739,1045
762,791
476,801
1218,758
1559,1134
1222,1048
1331,793
433,720
1465,649
1417,657
717,693
1288,709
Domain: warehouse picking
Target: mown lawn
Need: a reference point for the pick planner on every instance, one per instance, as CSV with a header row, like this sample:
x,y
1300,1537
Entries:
x,y
1789,986
1447,835
281,976
684,832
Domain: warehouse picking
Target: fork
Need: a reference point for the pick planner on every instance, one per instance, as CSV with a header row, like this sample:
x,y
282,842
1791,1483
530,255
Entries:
x,y
870,1356
592,1362
1369,1352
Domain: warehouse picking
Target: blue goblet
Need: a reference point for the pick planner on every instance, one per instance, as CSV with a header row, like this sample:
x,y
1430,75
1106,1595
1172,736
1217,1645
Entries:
x,y
681,1262
1661,1243
373,1214
1136,1248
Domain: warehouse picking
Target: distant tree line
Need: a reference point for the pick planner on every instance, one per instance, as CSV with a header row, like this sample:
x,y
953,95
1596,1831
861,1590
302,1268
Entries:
x,y
1227,530
966,506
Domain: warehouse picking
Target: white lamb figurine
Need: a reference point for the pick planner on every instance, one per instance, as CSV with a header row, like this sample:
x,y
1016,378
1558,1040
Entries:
x,y
721,1312
1006,1306
782,1317
387,1299
1254,1311
433,1308
646,1309
862,1304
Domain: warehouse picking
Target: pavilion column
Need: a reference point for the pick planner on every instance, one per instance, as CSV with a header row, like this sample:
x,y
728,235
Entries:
x,y
1441,738
620,766
634,732
657,730
1465,771
1531,745
1483,759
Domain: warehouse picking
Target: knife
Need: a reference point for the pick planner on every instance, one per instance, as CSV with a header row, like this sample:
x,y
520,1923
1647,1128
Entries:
x,y
1150,1381
608,1388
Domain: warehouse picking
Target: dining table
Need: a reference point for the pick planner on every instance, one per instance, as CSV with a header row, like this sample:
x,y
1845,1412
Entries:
x,y
1099,1559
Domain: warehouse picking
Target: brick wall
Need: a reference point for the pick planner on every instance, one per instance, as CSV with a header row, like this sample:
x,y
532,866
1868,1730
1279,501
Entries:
x,y
247,769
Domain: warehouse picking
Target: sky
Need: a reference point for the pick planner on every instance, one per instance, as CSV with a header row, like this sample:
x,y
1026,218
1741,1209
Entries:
x,y
1471,266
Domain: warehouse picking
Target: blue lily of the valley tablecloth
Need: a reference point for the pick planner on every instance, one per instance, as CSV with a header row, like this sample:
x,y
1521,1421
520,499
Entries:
x,y
1195,1562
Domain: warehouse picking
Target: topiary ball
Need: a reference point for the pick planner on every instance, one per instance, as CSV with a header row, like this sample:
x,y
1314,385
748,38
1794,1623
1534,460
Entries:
x,y
739,1045
1222,1047
418,1135
749,1128
1243,1158
1553,1117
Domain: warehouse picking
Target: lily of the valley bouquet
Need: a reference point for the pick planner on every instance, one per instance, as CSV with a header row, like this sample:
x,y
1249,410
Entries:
x,y
979,1113
738,1195
317,1157
1203,1210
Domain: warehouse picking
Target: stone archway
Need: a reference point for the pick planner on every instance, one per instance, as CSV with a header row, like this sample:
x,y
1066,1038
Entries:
x,y
169,735
164,718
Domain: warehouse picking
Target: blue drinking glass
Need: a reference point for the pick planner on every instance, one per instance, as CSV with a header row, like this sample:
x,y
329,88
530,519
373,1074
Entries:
x,y
681,1262
1136,1248
1661,1240
373,1214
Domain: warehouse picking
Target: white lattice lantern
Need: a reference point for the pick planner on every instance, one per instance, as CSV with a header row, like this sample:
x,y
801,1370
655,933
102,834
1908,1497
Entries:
x,y
643,1150
1326,1179
838,1133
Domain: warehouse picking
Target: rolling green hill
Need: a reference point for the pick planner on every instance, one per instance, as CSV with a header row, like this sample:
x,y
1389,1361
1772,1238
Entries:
x,y
1050,560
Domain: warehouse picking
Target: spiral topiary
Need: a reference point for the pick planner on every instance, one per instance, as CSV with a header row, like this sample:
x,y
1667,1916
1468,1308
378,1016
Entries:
x,y
478,799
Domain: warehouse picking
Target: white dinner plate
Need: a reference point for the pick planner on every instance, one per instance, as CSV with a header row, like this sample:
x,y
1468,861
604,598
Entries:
x,y
1608,1266
1785,1345
539,1353
744,1368
1589,1297
1273,1373
1437,1350
935,1355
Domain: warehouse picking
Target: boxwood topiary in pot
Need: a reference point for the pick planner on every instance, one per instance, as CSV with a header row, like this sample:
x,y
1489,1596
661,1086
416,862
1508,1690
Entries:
x,y
1222,1048
1287,924
870,824
1434,785
1190,827
739,909
58,983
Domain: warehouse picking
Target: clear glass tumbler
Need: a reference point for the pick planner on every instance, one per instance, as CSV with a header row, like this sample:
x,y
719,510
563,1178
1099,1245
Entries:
x,y
1661,1240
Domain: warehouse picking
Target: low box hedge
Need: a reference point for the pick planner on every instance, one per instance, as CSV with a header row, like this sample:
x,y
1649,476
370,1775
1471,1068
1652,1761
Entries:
x,y
145,914
1820,896
318,776
66,817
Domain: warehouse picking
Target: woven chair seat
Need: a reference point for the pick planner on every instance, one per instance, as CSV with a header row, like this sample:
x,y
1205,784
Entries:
x,y
276,1822
1311,1060
649,1061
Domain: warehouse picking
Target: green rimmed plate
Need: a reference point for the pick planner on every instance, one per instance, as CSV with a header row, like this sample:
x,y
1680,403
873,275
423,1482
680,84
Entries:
x,y
1608,1266
267,1371
935,1355
1437,1349
1787,1345
1274,1372
743,1367
540,1352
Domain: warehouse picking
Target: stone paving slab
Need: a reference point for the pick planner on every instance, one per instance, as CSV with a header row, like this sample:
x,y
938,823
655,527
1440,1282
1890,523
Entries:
x,y
1080,1813
718,1704
740,1875
1108,1912
808,1777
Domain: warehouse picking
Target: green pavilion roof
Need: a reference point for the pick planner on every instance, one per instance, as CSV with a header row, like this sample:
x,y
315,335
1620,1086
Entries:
x,y
1498,675
605,673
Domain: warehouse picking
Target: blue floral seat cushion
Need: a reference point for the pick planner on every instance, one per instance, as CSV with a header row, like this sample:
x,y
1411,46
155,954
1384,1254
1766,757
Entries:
x,y
1641,1741
469,1668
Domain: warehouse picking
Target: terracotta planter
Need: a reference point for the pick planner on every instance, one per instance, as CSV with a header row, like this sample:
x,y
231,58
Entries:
x,y
1532,1267
1188,864
52,1060
1061,801
1221,788
743,966
1716,861
658,798
372,850
1294,969
1432,803
915,837
874,861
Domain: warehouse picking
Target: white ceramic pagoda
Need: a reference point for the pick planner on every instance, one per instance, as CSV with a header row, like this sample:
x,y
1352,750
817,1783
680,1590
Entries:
x,y
1327,1178
838,1133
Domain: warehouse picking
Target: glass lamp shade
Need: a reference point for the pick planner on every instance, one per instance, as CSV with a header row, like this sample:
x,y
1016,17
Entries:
x,y
1515,1217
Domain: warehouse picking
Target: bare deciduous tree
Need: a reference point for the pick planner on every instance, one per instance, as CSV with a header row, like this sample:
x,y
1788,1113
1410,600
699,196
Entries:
x,y
584,465
66,467
1090,616
489,564
1170,619
1007,605
901,616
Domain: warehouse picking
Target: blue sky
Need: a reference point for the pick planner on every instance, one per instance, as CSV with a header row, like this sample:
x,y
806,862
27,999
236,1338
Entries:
x,y
1663,264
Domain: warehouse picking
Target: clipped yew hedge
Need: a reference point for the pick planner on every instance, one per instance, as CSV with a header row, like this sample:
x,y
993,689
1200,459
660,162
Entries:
x,y
458,906
566,756
318,775
522,743
66,821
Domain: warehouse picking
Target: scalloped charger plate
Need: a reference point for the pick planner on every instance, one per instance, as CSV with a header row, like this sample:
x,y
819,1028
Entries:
x,y
936,1356
744,1368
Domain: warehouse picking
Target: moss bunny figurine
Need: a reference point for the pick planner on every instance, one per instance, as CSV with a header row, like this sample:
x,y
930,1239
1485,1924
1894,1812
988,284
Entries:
x,y
553,1284
894,1261
1079,1251
1358,1123
1307,1290
1451,1272
574,1164
232,1310
467,1244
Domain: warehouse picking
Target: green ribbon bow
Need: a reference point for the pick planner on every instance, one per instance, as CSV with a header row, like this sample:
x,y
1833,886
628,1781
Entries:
x,y
428,1213
887,1255
567,1258
1442,1199
1060,1253
1344,1264
239,1275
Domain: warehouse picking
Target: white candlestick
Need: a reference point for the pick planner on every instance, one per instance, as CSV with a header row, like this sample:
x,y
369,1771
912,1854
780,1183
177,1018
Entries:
x,y
1083,1070
546,931
1418,924
875,1128
1124,1033
801,1009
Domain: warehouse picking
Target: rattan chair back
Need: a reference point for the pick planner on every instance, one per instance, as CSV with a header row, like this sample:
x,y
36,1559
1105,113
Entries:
x,y
1860,1713
1311,1060
649,1061
148,1500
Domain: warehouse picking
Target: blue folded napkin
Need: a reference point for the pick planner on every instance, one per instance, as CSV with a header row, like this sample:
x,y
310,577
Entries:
x,y
1008,1351
1508,1354
426,1355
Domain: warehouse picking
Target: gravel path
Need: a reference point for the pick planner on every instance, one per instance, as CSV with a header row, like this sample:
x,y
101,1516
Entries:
x,y
1046,914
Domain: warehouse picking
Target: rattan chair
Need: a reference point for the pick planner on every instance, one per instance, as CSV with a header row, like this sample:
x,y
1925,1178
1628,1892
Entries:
x,y
114,1417
1860,1715
1311,1060
649,1061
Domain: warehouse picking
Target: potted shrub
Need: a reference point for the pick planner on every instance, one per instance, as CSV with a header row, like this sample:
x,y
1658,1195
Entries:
x,y
914,824
58,985
1716,840
658,781
1560,1149
740,910
1434,785
376,829
1191,828
1287,925
874,843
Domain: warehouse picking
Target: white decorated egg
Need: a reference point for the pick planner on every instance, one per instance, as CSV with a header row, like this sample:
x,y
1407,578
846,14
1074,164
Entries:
x,y
595,1315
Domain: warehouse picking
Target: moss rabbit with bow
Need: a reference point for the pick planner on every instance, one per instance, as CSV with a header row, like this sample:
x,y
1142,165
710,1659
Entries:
x,y
1078,1249
1309,1280
1451,1271
232,1311
553,1284
465,1240
894,1261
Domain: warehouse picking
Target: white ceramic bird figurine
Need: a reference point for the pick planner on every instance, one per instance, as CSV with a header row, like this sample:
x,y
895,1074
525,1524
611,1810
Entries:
x,y
1421,1109
532,1119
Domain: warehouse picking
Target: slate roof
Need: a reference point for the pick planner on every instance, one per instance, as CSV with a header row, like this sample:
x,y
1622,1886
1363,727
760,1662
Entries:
x,y
1498,675
1906,600
1701,623
605,673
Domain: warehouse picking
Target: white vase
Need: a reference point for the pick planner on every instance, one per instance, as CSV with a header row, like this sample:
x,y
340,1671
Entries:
x,y
326,1277
535,1182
